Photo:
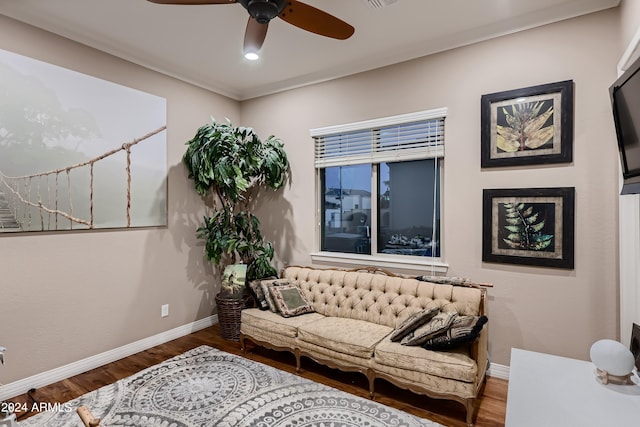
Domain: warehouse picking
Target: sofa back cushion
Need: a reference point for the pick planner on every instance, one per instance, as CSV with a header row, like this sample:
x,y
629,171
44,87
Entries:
x,y
379,298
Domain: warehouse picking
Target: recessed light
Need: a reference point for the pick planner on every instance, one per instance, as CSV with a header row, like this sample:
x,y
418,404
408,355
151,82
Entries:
x,y
251,56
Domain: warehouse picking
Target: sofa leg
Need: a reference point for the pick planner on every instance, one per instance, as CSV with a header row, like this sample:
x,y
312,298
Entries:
x,y
296,353
371,376
470,405
243,348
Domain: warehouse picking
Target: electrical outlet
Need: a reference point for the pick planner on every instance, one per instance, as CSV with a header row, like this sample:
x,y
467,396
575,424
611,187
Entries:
x,y
164,310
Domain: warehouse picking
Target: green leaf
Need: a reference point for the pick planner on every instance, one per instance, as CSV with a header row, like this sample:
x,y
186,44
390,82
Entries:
x,y
514,237
537,227
514,245
532,218
542,244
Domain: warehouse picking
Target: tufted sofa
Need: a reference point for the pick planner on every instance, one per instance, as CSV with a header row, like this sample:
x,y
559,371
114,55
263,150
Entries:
x,y
356,312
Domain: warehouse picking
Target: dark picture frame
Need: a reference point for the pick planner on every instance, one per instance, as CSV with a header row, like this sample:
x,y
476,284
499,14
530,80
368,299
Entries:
x,y
527,126
529,226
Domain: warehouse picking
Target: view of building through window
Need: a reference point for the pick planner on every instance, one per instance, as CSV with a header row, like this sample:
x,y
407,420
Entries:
x,y
407,218
347,209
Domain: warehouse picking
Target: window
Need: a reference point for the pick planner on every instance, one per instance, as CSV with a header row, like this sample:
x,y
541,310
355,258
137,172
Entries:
x,y
380,188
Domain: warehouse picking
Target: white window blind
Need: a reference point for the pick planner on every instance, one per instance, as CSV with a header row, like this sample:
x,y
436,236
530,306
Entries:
x,y
399,138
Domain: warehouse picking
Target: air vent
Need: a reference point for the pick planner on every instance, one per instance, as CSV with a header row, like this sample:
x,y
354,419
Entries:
x,y
377,4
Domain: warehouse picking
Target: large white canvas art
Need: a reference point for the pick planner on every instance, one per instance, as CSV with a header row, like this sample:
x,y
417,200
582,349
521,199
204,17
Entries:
x,y
78,152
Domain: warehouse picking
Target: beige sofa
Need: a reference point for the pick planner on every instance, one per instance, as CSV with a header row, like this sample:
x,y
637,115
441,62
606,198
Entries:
x,y
356,312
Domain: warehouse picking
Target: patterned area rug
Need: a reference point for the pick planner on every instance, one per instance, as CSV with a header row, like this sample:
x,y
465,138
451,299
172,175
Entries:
x,y
208,387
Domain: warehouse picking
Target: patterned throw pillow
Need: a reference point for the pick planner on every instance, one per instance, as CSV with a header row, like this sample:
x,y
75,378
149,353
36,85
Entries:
x,y
436,326
258,294
413,322
464,329
290,300
266,286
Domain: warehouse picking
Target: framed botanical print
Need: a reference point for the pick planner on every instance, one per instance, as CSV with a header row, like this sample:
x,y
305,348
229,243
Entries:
x,y
528,126
530,226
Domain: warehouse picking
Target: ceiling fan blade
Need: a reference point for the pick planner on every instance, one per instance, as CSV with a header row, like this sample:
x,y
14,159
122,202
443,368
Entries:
x,y
185,2
315,20
254,35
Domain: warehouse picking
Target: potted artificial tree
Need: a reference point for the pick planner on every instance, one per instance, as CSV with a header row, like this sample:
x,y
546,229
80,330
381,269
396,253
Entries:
x,y
231,164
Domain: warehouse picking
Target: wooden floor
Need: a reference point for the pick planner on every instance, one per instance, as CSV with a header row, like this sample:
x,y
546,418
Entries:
x,y
492,403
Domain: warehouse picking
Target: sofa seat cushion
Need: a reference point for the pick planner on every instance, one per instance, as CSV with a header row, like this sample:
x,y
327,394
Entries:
x,y
275,340
455,364
274,322
349,336
421,381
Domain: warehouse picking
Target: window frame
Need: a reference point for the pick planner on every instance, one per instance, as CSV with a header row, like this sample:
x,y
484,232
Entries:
x,y
435,265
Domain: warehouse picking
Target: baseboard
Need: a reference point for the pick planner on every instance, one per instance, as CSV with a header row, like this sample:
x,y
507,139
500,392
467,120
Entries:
x,y
498,371
49,377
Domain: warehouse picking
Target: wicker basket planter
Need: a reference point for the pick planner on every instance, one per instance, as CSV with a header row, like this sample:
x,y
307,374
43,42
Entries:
x,y
229,312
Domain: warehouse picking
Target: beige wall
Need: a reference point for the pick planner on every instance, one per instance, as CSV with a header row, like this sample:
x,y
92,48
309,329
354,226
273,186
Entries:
x,y
67,296
630,21
71,295
542,309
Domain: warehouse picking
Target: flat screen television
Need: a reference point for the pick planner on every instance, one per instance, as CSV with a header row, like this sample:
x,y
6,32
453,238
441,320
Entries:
x,y
635,345
625,100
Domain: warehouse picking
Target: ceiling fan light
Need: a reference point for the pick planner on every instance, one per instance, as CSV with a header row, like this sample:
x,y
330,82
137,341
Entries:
x,y
251,56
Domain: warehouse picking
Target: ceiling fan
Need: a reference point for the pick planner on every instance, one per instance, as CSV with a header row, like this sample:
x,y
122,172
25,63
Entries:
x,y
261,12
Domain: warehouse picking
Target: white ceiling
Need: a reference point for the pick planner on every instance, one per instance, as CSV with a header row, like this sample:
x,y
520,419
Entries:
x,y
203,44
